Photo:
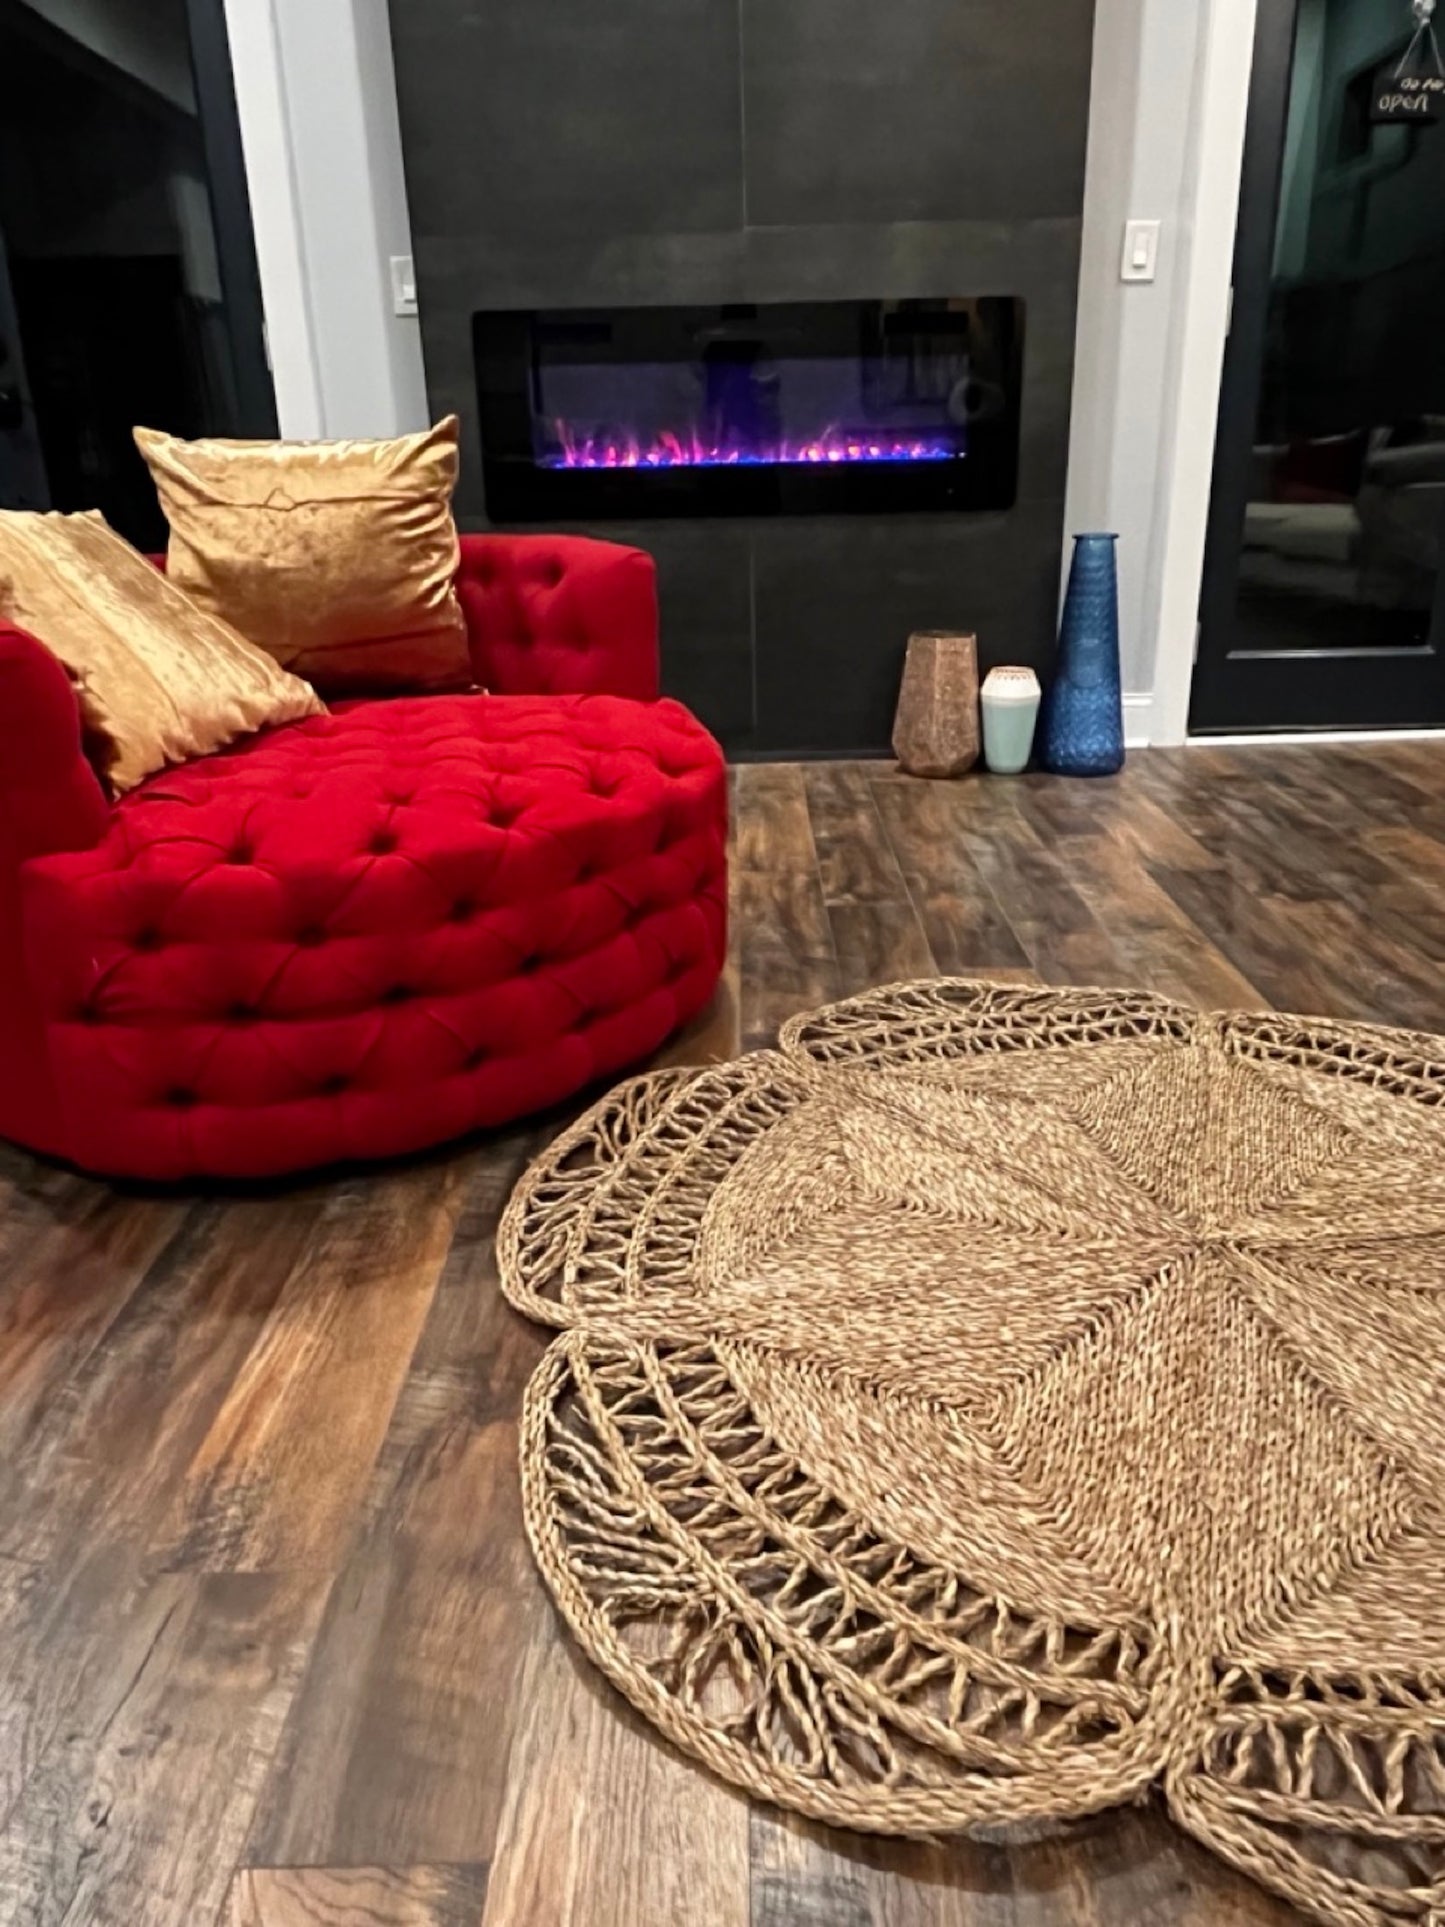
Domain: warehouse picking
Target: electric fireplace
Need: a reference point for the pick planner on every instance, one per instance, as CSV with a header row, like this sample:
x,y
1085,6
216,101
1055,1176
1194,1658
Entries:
x,y
749,408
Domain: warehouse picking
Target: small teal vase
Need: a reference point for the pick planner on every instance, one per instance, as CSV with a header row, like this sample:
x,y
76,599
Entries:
x,y
1083,724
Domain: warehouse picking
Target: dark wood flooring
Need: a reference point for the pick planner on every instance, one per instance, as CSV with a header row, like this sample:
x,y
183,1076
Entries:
x,y
272,1653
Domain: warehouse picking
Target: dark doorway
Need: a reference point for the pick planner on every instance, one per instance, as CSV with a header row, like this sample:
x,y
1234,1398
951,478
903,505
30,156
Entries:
x,y
128,288
1323,602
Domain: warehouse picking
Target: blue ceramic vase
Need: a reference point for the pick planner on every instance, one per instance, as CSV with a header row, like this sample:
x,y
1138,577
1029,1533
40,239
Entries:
x,y
1083,723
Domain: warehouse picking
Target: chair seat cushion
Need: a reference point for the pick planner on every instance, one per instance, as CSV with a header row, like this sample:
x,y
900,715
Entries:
x,y
375,929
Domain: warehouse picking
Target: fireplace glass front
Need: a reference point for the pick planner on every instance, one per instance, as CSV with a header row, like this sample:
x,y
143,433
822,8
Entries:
x,y
800,408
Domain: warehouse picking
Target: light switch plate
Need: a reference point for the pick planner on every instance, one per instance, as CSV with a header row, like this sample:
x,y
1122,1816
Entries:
x,y
403,284
1141,251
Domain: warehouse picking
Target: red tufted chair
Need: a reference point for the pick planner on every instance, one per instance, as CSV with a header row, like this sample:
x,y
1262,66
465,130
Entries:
x,y
368,931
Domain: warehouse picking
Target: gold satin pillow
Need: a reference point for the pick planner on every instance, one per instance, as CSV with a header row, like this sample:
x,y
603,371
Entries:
x,y
335,557
158,679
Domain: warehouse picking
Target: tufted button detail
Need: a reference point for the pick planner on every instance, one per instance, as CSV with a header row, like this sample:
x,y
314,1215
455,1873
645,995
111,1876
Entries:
x,y
289,976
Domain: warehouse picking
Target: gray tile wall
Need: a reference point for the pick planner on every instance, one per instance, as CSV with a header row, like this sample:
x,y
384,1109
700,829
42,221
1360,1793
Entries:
x,y
567,152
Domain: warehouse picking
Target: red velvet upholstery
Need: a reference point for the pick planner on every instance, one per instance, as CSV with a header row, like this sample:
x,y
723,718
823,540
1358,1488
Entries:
x,y
555,615
369,931
49,800
549,614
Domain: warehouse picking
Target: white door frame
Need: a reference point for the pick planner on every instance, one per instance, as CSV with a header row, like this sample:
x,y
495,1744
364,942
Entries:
x,y
262,109
1207,222
316,99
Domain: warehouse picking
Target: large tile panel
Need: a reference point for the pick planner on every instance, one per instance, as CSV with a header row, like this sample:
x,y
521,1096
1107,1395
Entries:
x,y
922,110
569,117
836,600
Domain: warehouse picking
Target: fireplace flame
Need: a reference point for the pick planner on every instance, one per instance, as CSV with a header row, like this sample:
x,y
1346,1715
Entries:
x,y
690,450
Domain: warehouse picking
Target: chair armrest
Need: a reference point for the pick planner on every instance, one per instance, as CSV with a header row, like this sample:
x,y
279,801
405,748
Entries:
x,y
552,615
50,797
50,800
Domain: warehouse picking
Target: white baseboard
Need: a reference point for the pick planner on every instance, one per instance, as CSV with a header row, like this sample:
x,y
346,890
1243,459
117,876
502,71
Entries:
x,y
1289,736
1139,714
1138,720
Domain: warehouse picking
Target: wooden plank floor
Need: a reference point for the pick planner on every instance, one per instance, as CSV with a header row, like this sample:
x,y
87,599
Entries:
x,y
272,1653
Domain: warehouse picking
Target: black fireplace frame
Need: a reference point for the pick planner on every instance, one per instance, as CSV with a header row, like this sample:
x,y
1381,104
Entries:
x,y
520,490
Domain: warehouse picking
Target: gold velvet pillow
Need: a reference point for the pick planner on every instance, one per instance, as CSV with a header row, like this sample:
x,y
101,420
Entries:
x,y
335,557
158,679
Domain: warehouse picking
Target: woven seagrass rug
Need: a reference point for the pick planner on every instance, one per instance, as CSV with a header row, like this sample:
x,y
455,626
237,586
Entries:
x,y
996,1400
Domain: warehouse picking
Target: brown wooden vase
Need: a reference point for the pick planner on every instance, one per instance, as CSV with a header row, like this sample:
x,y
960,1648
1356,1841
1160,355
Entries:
x,y
935,731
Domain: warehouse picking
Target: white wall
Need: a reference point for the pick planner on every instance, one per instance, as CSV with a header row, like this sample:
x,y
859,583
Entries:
x,y
317,100
1139,133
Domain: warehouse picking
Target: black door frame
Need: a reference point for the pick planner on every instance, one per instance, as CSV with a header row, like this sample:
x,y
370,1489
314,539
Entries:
x,y
24,483
231,212
1332,689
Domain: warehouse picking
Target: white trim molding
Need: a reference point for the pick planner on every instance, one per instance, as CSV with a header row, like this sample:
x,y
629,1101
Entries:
x,y
316,98
1138,720
275,215
1211,208
1291,737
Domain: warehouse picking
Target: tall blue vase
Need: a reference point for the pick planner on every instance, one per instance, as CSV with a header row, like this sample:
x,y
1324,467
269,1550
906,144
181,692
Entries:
x,y
1083,722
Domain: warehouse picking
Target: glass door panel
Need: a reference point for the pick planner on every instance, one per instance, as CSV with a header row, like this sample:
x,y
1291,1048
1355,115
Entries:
x,y
1322,602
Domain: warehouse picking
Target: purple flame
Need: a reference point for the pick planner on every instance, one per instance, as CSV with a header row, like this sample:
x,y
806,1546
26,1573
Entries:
x,y
669,450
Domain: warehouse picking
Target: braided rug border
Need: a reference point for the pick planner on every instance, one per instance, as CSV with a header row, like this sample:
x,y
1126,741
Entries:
x,y
637,1425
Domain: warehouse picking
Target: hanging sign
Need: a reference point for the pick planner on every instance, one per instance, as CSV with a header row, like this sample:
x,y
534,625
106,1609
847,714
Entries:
x,y
1417,97
1415,89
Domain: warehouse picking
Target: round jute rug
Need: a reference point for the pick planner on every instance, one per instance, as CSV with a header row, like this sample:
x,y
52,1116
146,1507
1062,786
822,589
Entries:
x,y
996,1400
